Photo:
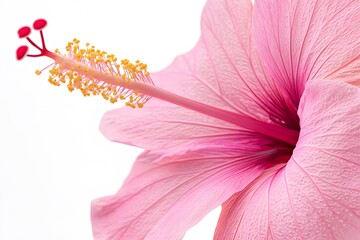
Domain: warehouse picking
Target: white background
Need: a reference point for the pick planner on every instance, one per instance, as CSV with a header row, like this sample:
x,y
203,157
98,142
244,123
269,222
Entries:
x,y
53,159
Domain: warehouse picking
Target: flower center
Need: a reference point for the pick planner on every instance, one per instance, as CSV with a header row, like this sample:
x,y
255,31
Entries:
x,y
96,72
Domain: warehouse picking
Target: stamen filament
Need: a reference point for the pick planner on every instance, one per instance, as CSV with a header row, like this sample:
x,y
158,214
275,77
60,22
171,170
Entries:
x,y
274,131
278,132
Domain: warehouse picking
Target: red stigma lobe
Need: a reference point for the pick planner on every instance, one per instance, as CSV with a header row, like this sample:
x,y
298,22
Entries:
x,y
21,52
24,32
39,24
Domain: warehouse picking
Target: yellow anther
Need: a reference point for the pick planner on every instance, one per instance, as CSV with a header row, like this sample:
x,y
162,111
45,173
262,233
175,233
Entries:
x,y
37,72
143,66
70,88
86,62
124,61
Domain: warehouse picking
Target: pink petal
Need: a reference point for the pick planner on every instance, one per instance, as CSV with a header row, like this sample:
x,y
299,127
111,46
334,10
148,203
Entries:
x,y
222,71
300,40
317,194
227,61
167,192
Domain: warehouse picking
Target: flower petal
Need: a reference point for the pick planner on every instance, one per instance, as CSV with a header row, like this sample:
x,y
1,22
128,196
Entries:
x,y
222,71
168,192
226,60
300,40
317,194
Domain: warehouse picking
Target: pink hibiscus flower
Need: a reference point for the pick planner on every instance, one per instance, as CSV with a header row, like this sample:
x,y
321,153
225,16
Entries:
x,y
265,122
